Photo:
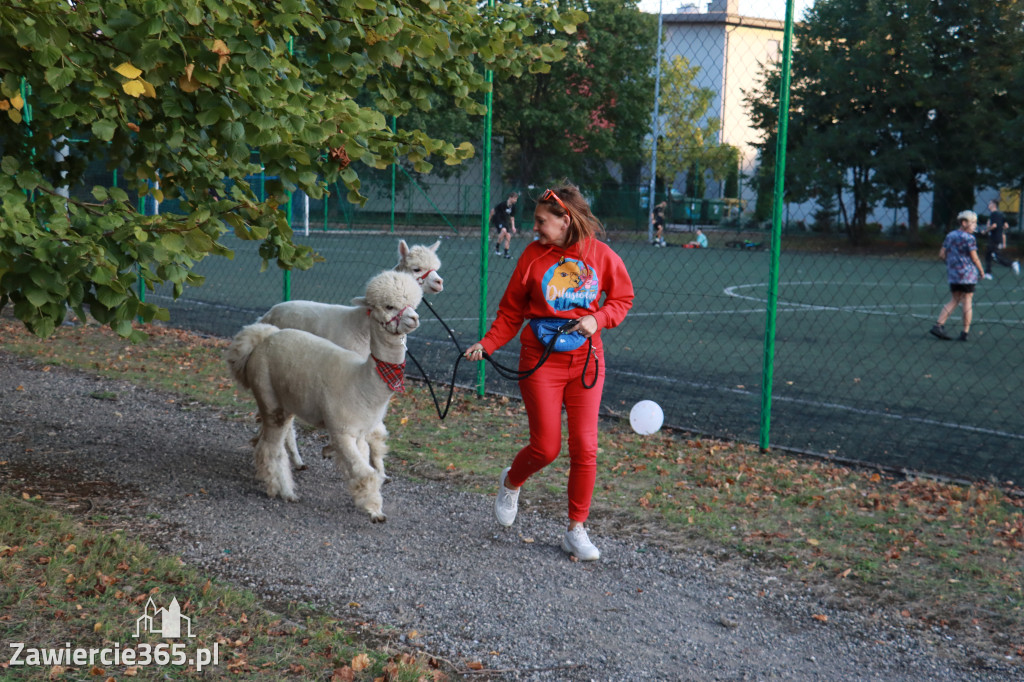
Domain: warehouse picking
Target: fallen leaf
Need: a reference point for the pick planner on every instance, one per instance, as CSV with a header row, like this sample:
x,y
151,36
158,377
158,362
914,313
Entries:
x,y
820,617
345,674
360,663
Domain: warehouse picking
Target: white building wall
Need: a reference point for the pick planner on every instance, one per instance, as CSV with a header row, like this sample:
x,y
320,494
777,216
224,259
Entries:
x,y
730,51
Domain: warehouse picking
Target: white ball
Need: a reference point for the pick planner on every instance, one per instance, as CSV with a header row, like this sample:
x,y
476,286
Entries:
x,y
646,417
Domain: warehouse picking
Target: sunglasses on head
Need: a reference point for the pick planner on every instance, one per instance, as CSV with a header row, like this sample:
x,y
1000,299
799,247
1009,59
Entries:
x,y
550,194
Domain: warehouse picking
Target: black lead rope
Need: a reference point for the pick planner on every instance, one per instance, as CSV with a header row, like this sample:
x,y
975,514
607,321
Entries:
x,y
506,372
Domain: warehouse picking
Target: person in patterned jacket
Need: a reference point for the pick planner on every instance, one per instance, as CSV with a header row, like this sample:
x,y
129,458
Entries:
x,y
963,267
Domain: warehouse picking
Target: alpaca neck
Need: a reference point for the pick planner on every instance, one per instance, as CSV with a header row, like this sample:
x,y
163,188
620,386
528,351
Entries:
x,y
386,346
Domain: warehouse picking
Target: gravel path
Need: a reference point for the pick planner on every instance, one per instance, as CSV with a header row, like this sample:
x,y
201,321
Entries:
x,y
440,574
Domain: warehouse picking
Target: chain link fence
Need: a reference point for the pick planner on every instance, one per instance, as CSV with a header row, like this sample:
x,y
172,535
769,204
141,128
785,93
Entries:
x,y
856,376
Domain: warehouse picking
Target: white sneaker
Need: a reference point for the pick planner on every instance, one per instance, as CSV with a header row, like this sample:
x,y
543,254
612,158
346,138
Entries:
x,y
579,545
506,504
988,276
1016,267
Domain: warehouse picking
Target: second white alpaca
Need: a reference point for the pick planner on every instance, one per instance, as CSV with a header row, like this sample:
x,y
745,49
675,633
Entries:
x,y
349,326
293,373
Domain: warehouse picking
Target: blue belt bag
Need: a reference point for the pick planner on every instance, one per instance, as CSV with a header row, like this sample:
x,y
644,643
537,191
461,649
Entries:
x,y
550,331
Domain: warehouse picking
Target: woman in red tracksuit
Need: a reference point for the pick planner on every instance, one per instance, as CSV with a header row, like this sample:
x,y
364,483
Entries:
x,y
562,274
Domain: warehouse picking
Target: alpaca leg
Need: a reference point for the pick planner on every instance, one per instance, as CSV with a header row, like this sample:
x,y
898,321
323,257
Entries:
x,y
272,467
351,457
378,441
292,447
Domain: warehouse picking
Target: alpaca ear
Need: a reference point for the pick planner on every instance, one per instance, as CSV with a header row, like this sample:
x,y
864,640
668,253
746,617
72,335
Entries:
x,y
433,247
403,248
360,302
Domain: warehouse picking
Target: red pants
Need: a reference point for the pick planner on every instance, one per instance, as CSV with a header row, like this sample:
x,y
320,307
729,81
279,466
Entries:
x,y
556,384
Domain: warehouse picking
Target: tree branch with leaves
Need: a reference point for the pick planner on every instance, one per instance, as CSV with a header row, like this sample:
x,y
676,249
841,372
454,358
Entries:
x,y
187,99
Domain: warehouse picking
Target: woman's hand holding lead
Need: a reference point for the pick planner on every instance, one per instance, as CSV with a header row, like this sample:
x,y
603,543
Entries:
x,y
474,352
586,325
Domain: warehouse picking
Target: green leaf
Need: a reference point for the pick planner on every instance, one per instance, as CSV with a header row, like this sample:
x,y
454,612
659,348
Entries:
x,y
9,165
194,14
104,129
109,297
208,117
173,242
36,297
59,78
122,327
198,241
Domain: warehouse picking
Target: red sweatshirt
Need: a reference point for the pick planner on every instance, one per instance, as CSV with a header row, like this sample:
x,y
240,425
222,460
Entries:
x,y
550,281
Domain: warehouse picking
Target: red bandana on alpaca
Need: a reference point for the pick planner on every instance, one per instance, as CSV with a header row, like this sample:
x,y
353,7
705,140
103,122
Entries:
x,y
393,374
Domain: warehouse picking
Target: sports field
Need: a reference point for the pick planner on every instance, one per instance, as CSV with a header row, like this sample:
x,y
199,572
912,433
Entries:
x,y
856,374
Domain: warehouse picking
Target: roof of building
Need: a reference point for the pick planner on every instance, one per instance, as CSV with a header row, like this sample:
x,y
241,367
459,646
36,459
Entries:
x,y
723,18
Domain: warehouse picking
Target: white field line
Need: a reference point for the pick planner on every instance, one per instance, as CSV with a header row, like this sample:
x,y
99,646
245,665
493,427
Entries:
x,y
884,310
828,405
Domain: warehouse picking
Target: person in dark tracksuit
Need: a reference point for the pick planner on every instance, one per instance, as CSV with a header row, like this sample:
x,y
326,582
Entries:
x,y
504,221
996,233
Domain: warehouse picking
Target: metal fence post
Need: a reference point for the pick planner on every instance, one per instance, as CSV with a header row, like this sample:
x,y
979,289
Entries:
x,y
485,219
773,267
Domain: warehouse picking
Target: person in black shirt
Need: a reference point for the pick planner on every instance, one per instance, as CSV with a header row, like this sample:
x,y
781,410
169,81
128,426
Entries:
x,y
996,232
658,218
504,221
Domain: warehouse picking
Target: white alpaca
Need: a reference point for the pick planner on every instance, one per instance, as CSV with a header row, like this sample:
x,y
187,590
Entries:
x,y
349,326
293,373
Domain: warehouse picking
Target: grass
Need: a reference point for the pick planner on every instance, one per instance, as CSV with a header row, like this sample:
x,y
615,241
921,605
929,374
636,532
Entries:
x,y
943,555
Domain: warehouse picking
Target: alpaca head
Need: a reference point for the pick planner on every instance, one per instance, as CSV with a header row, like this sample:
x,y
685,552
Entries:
x,y
391,299
422,263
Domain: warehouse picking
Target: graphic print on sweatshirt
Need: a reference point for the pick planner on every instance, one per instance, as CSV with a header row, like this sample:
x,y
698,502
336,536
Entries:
x,y
569,284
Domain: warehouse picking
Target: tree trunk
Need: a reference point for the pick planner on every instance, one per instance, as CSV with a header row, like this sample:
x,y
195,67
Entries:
x,y
858,228
913,198
949,201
